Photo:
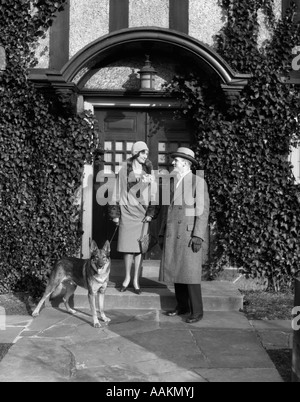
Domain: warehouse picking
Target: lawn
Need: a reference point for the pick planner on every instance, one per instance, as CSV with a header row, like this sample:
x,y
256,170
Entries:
x,y
259,305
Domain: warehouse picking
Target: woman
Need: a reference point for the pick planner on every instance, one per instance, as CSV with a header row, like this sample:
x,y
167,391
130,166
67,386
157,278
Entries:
x,y
131,209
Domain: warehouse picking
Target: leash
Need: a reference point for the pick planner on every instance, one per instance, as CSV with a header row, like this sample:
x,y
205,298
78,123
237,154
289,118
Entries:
x,y
114,234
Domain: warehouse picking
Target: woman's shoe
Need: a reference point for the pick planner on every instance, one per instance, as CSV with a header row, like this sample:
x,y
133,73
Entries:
x,y
123,289
137,291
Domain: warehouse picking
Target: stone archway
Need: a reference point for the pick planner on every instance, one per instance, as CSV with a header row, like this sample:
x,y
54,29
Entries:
x,y
109,47
133,40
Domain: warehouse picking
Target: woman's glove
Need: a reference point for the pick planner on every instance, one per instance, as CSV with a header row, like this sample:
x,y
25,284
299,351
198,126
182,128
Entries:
x,y
116,221
196,244
148,178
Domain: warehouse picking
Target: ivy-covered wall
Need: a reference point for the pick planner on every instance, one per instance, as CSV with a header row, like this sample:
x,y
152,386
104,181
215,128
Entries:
x,y
244,147
43,148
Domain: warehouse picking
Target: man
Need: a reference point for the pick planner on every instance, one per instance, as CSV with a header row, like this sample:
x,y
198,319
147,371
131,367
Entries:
x,y
182,233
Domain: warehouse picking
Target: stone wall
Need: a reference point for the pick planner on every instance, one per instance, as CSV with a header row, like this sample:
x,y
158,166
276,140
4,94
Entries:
x,y
206,20
149,13
89,21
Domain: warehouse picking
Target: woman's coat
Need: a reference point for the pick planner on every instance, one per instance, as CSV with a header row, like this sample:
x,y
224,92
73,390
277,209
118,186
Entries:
x,y
131,202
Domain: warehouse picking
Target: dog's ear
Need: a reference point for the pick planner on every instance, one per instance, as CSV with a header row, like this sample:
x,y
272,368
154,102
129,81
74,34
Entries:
x,y
93,247
106,247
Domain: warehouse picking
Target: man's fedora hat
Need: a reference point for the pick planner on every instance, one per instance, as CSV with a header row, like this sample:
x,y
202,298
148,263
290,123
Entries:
x,y
185,153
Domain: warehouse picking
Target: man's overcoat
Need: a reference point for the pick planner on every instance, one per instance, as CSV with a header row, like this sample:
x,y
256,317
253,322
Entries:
x,y
187,216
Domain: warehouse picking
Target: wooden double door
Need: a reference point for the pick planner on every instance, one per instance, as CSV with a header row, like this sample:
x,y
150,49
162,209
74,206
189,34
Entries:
x,y
119,130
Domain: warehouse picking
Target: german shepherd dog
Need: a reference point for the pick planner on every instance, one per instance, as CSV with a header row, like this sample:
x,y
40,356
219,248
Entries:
x,y
91,274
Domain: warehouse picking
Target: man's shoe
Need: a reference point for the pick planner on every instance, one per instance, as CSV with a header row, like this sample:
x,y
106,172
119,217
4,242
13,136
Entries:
x,y
194,318
173,313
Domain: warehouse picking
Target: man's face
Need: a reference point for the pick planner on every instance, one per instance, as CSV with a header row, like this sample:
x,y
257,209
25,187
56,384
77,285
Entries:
x,y
179,165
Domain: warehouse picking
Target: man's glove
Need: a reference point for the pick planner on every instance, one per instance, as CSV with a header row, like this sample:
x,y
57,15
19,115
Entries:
x,y
196,244
161,242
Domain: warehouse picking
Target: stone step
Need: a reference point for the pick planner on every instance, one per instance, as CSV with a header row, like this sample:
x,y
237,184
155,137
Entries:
x,y
217,296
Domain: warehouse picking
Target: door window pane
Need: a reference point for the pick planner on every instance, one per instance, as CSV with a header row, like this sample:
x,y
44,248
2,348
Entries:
x,y
108,158
129,146
108,146
119,146
162,159
108,169
173,146
119,158
162,147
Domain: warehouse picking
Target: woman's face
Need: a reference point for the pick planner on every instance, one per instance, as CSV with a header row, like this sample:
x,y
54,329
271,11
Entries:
x,y
143,156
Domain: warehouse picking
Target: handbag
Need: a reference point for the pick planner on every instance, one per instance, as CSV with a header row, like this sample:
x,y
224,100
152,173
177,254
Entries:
x,y
146,241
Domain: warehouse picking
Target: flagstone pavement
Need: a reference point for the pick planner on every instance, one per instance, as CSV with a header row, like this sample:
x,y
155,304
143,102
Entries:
x,y
140,346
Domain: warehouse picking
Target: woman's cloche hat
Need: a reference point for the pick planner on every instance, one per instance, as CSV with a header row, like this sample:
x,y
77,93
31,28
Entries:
x,y
138,147
185,153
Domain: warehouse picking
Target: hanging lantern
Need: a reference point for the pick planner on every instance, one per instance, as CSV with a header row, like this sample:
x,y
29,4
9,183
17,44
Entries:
x,y
147,76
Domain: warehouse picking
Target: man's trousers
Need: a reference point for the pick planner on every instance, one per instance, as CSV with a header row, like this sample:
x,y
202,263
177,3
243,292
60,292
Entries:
x,y
189,298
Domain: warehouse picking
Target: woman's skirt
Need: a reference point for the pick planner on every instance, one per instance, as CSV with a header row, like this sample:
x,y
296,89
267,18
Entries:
x,y
130,229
